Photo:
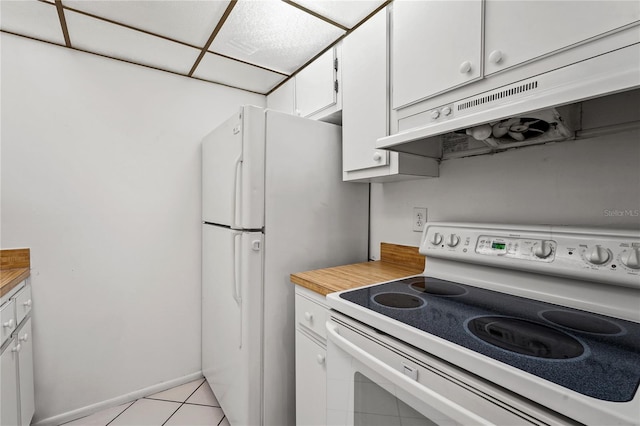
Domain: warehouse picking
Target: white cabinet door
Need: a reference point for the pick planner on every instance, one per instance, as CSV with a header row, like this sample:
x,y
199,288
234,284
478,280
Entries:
x,y
311,382
316,85
519,31
435,46
25,365
9,385
364,96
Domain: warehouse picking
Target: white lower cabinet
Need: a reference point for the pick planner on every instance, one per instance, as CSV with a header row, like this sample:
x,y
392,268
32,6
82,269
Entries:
x,y
311,381
9,385
311,352
16,370
25,373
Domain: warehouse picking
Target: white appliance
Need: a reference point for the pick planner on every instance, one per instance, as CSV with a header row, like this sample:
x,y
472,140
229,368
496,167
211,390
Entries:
x,y
508,325
273,203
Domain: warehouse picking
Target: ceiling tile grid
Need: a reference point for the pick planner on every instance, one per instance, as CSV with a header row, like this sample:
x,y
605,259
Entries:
x,y
32,19
249,44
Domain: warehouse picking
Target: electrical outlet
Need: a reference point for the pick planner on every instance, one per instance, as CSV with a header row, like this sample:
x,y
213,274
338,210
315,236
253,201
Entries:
x,y
419,218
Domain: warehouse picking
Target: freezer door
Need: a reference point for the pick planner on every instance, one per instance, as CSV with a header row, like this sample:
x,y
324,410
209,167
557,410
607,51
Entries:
x,y
233,171
231,320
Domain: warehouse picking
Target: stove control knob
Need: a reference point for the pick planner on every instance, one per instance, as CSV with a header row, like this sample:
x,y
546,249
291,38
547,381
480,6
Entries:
x,y
598,255
436,239
453,240
543,250
631,258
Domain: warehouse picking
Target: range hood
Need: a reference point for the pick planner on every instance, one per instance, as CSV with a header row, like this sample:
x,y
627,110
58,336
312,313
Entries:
x,y
532,111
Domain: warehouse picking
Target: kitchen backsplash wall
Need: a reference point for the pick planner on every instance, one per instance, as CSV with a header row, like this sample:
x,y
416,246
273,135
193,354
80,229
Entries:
x,y
101,179
588,182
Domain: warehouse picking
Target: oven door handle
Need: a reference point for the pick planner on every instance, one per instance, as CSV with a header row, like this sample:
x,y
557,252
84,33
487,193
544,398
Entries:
x,y
442,404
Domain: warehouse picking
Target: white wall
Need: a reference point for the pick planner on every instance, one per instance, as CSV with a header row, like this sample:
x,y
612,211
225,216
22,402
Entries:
x,y
568,183
101,179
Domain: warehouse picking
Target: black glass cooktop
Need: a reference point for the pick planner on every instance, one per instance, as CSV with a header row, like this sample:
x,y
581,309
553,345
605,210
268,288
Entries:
x,y
592,354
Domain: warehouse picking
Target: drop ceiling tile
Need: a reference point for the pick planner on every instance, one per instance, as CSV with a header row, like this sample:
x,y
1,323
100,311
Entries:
x,y
344,12
31,18
188,21
273,34
237,74
95,35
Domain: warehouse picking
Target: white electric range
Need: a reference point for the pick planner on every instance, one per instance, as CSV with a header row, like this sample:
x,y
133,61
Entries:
x,y
508,325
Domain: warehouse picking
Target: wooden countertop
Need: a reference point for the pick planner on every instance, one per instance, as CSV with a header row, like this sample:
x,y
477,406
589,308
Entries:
x,y
15,267
396,262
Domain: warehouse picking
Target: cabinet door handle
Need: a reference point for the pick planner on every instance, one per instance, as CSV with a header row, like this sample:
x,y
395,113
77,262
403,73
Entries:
x,y
8,324
16,348
377,156
308,316
465,67
24,338
320,359
495,57
27,303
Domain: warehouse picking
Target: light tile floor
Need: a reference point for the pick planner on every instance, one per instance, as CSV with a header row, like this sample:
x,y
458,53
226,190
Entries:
x,y
191,404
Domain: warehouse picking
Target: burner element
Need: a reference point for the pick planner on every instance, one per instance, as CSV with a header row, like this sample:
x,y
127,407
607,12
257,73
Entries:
x,y
398,300
585,322
436,287
525,337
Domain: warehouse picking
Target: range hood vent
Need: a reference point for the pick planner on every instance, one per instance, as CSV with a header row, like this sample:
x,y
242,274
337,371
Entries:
x,y
551,125
468,127
498,96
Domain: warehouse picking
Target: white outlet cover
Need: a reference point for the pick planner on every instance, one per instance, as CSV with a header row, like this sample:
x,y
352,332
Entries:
x,y
419,218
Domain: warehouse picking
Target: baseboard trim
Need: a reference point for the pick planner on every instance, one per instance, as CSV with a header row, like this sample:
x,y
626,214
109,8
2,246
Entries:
x,y
119,400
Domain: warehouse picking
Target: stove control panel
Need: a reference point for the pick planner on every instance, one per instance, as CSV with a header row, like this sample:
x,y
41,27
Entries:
x,y
517,248
592,254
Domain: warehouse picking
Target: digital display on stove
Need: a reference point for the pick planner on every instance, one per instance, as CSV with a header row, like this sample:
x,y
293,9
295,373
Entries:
x,y
498,246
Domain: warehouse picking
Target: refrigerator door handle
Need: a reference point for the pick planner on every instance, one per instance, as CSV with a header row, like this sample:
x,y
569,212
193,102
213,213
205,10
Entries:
x,y
236,266
234,194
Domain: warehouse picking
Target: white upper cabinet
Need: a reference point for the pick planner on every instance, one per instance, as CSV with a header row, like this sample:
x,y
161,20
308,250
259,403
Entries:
x,y
365,110
317,91
520,31
435,46
364,98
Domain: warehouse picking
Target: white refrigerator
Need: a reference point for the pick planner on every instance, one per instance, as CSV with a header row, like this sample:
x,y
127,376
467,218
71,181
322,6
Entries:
x,y
273,203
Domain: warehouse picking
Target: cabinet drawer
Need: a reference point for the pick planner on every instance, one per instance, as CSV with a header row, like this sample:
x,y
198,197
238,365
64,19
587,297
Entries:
x,y
7,320
311,315
23,303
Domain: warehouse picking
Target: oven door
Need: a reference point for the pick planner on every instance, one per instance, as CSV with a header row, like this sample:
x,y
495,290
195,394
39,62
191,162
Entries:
x,y
373,381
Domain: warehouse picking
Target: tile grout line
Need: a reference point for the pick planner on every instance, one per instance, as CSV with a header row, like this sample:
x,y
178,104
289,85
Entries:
x,y
110,421
203,405
190,395
165,422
